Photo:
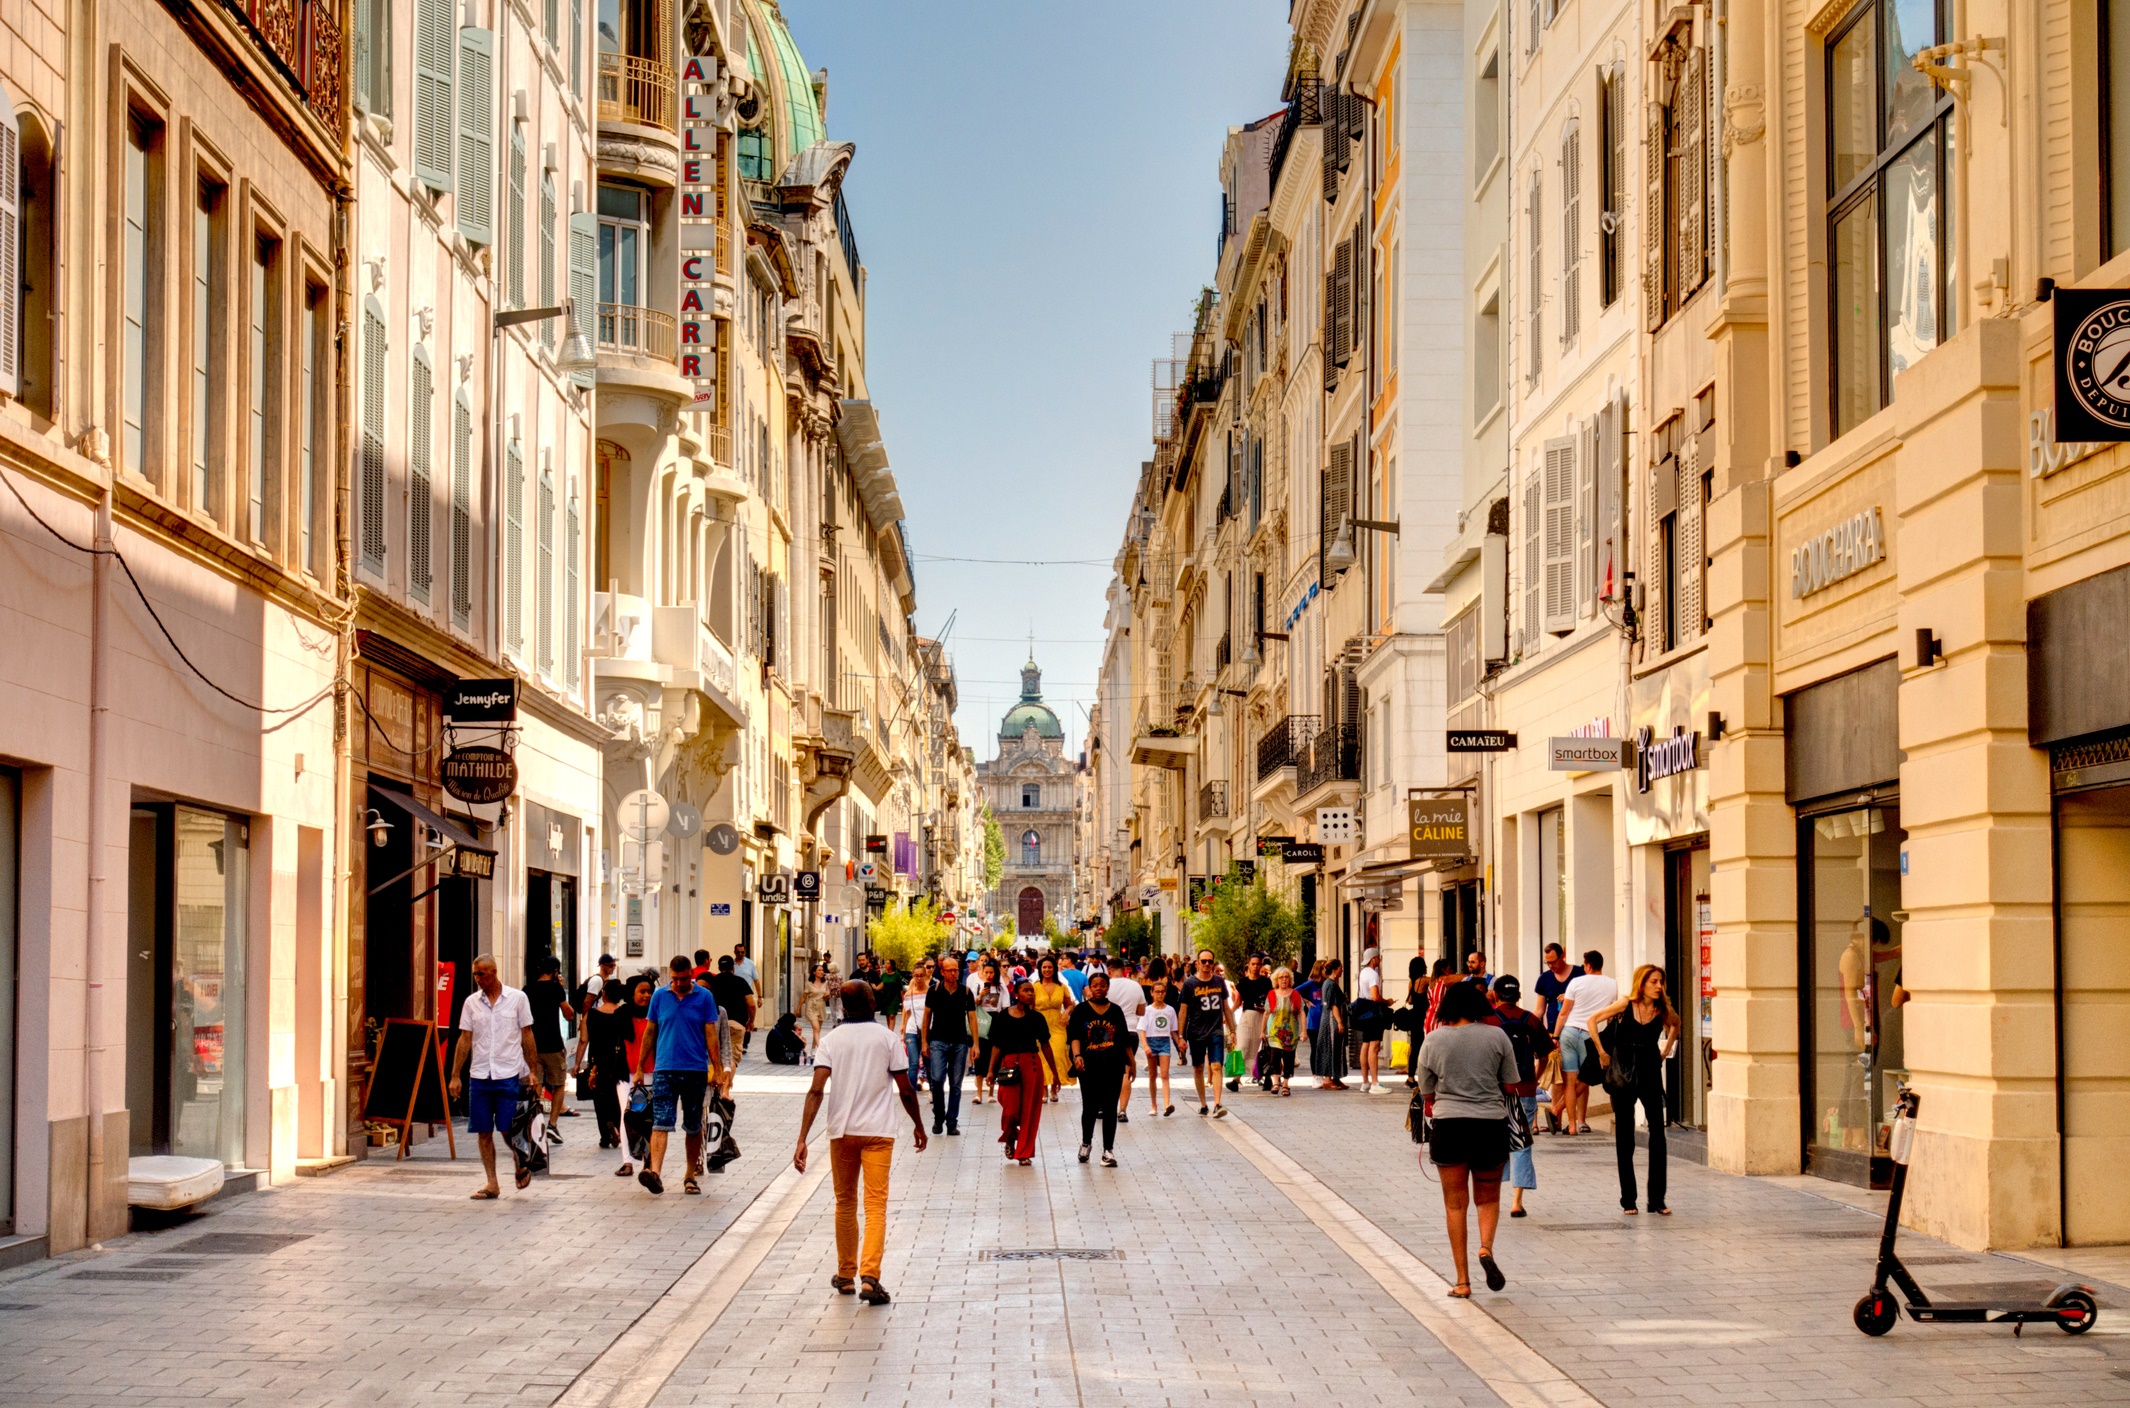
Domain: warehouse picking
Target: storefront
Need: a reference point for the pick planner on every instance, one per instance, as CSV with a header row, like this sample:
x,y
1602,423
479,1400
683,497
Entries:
x,y
553,840
10,965
188,989
1667,837
2078,675
1843,760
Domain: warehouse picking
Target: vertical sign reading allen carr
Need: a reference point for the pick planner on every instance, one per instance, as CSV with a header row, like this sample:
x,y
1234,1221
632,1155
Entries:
x,y
699,178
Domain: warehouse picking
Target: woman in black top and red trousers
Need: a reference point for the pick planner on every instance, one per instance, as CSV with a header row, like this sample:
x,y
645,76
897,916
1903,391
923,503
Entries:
x,y
1020,1049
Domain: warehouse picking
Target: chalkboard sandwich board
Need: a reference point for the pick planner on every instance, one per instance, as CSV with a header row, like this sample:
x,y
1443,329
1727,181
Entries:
x,y
407,1081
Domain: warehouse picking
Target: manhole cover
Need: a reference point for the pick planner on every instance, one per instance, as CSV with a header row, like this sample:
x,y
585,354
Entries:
x,y
126,1276
166,1263
1844,1234
240,1243
1052,1254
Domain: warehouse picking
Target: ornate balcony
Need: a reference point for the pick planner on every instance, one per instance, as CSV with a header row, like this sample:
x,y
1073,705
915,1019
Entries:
x,y
1285,744
1334,756
1213,800
305,42
641,91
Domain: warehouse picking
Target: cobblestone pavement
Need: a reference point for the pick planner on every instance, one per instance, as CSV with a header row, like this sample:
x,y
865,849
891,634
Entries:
x,y
1743,1295
1291,1255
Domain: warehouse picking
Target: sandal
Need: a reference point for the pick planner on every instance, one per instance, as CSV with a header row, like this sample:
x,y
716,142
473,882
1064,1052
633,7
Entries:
x,y
524,1178
1661,1212
1495,1280
625,1170
1462,1290
690,1185
1027,1163
844,1285
486,1194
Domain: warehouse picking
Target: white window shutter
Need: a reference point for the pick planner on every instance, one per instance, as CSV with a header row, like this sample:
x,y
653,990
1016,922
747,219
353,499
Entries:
x,y
372,466
1586,518
544,567
420,550
514,549
1534,565
548,216
477,143
584,279
462,510
572,595
514,217
10,248
1656,306
1559,533
1535,278
1689,194
1571,234
434,116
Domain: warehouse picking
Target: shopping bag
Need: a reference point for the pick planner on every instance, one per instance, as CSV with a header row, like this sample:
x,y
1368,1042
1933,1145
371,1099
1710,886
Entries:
x,y
1399,1050
637,1122
1235,1066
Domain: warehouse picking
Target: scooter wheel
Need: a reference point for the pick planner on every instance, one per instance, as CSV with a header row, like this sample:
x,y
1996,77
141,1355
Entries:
x,y
2077,1312
1876,1313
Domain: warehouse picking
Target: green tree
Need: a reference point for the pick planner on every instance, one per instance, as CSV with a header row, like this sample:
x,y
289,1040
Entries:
x,y
1057,937
1243,917
1003,942
1130,935
907,933
994,851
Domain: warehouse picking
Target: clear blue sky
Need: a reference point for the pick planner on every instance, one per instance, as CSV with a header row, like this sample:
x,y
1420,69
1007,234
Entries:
x,y
1035,197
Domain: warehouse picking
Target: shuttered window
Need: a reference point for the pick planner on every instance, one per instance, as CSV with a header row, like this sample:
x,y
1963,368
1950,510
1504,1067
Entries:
x,y
10,248
372,471
462,510
514,548
1610,558
1586,516
572,596
584,281
315,436
421,396
434,117
1559,534
1534,564
576,47
1342,324
1571,234
1690,195
1335,507
477,143
1535,279
1612,182
261,401
373,57
514,257
544,574
1656,212
208,303
548,217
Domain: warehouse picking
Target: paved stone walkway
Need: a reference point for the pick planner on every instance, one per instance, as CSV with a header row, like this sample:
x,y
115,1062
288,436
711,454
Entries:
x,y
1291,1255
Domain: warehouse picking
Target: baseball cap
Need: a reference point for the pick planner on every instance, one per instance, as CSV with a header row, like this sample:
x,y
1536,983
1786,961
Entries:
x,y
1508,989
606,958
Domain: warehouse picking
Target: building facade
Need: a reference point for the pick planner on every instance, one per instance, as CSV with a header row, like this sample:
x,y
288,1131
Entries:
x,y
1033,788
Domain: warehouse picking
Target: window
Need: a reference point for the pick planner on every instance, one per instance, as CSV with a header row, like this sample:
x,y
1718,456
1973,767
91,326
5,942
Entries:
x,y
1534,279
315,448
1031,848
548,215
421,402
474,212
1031,794
514,547
265,387
462,510
570,602
36,309
1612,181
624,236
373,57
544,581
2115,125
754,154
1679,225
434,40
1486,358
141,176
1571,233
372,467
514,257
207,304
1889,235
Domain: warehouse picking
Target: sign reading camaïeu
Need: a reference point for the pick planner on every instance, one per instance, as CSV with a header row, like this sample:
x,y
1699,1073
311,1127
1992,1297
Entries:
x,y
1481,740
1842,551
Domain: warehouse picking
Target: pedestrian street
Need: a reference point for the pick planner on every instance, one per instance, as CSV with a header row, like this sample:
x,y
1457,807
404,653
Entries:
x,y
1290,1254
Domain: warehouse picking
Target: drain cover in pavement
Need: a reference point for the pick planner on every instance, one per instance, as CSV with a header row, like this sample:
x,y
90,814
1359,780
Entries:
x,y
1582,1226
240,1243
1845,1234
1053,1254
126,1276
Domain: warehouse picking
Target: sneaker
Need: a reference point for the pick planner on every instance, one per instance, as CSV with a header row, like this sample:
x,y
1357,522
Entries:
x,y
1084,1149
1235,1085
1123,1118
1220,1112
1201,1112
1109,1160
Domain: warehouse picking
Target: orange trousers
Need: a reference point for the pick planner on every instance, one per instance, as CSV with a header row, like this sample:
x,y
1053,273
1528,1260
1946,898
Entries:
x,y
847,1160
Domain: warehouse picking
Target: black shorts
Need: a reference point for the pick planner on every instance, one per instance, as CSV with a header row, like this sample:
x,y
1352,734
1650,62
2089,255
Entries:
x,y
1478,1144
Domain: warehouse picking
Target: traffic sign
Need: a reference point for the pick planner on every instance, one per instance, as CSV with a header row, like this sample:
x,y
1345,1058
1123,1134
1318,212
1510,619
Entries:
x,y
643,814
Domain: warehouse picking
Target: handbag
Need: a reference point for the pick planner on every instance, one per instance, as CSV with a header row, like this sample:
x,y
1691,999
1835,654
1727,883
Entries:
x,y
1418,1120
983,1023
1008,1074
584,1083
1519,1125
1550,1073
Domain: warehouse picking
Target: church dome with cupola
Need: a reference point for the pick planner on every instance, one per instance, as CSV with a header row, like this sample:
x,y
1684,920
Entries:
x,y
1031,710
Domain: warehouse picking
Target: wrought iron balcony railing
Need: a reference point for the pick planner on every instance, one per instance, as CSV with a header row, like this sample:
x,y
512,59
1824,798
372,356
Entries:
x,y
637,90
1285,744
1213,800
1334,756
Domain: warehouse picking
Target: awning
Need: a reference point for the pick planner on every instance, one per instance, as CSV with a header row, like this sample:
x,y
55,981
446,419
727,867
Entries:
x,y
452,832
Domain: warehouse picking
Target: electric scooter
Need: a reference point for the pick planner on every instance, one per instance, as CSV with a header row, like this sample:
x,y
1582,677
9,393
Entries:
x,y
2070,1307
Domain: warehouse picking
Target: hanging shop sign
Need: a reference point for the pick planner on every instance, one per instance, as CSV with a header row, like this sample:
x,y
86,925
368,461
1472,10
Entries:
x,y
1273,845
807,886
472,863
1302,853
1334,825
2092,364
775,889
1481,740
1586,754
876,845
482,702
698,228
1438,828
722,839
480,774
1658,758
1842,551
683,820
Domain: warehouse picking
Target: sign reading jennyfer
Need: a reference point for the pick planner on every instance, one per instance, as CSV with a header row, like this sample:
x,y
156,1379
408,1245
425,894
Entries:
x,y
482,702
2092,364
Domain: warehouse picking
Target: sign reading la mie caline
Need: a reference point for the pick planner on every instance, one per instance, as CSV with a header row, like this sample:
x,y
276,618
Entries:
x,y
1842,551
1438,828
2092,364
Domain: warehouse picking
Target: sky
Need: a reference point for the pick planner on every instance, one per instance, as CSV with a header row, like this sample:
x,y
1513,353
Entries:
x,y
1035,196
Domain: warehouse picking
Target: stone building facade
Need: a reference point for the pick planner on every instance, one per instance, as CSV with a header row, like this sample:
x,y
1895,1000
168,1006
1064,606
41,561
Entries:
x,y
1031,787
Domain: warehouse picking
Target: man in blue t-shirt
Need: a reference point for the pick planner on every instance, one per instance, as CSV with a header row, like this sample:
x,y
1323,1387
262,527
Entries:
x,y
682,1031
1073,975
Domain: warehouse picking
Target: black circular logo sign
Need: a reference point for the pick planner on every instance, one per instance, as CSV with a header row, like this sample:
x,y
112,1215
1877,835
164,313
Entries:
x,y
722,839
2098,364
480,774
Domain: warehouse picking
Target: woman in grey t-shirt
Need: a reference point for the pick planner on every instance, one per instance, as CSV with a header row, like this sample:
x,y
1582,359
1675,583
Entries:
x,y
1465,1069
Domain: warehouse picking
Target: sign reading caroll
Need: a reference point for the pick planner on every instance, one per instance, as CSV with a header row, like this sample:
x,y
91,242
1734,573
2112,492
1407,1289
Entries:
x,y
1842,551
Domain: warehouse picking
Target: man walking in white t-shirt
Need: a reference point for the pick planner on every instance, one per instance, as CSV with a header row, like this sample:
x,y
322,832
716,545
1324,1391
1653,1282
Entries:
x,y
1586,995
870,1069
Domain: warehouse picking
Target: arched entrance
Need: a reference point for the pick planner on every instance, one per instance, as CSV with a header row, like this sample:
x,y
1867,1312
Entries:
x,y
1031,911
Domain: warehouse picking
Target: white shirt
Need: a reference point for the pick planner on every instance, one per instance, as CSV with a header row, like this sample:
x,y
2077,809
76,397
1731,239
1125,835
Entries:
x,y
1160,1020
493,1027
1589,992
746,969
1127,994
862,1102
913,1010
1371,983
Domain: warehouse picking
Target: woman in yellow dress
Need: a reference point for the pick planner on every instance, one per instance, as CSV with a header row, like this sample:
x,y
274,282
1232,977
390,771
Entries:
x,y
1054,1000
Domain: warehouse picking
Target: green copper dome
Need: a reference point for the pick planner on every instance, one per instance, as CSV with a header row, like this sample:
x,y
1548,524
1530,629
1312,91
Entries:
x,y
1031,709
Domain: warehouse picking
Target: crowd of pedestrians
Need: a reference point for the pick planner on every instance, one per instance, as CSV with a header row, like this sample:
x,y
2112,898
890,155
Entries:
x,y
656,1054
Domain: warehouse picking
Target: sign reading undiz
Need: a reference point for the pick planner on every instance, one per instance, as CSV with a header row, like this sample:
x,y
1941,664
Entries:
x,y
1842,551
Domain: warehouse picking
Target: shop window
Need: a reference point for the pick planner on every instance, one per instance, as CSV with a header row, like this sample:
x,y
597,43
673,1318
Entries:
x,y
1851,1005
10,897
1889,226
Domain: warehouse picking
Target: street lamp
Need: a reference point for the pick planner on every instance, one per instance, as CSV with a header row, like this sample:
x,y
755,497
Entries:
x,y
578,360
